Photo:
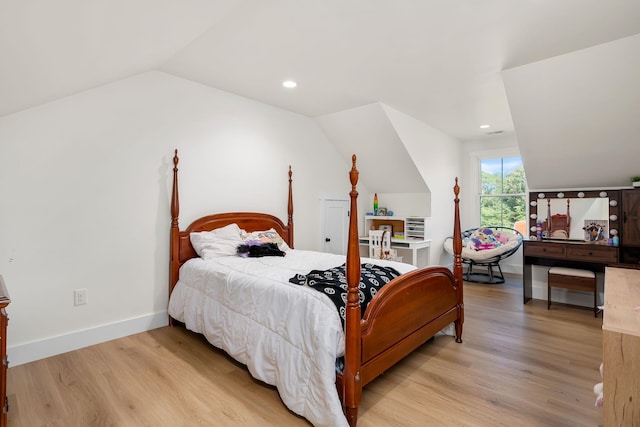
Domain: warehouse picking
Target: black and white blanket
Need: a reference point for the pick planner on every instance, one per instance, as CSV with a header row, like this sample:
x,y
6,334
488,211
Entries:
x,y
333,283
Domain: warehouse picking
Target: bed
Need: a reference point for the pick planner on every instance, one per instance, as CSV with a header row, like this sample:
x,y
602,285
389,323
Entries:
x,y
293,337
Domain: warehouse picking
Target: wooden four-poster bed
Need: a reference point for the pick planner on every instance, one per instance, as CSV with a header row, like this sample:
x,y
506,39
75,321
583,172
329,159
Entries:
x,y
403,315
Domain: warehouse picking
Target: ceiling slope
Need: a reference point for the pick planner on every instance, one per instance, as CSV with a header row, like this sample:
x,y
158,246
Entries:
x,y
576,116
52,49
383,160
438,61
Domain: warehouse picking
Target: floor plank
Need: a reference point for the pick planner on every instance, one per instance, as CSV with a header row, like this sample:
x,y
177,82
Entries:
x,y
518,365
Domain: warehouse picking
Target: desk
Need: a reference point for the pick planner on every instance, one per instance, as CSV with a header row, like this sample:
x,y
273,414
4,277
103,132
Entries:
x,y
563,253
414,245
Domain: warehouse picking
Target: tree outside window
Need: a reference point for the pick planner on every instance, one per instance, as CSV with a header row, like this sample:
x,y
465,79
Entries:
x,y
502,192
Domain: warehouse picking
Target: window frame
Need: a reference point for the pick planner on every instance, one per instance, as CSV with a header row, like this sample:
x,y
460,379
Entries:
x,y
475,172
499,195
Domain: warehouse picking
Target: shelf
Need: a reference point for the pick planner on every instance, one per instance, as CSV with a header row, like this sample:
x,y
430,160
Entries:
x,y
392,218
414,228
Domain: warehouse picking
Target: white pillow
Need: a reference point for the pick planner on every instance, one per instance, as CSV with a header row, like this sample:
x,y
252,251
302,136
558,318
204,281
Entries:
x,y
216,243
267,236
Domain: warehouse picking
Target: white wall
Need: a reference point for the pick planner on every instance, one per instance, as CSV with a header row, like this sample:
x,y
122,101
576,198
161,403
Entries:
x,y
437,157
403,204
85,198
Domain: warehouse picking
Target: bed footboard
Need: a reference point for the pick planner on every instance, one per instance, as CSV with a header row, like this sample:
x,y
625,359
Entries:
x,y
403,315
406,313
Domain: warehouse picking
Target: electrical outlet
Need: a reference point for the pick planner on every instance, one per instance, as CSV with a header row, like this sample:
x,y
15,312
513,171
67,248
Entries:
x,y
79,297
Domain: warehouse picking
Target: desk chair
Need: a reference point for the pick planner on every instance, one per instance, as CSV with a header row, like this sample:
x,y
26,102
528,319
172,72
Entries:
x,y
379,243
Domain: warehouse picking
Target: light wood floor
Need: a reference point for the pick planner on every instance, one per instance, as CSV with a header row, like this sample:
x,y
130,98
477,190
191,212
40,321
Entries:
x,y
518,366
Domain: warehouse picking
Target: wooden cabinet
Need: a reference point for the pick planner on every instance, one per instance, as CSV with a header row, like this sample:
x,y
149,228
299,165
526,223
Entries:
x,y
631,217
4,302
630,230
620,348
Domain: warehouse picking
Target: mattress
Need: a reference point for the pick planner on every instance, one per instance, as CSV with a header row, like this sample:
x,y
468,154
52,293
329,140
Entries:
x,y
287,335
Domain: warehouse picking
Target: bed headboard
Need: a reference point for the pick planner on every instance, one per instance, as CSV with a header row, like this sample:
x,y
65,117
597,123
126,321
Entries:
x,y
181,249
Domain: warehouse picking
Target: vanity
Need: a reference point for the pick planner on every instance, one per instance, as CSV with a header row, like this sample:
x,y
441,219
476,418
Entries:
x,y
587,230
580,255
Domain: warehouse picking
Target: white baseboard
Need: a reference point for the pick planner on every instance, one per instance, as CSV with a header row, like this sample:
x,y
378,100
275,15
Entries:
x,y
515,269
36,350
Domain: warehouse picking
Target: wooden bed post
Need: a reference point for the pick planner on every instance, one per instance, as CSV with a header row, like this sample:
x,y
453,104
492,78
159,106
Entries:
x,y
549,217
290,212
180,249
457,261
174,264
353,346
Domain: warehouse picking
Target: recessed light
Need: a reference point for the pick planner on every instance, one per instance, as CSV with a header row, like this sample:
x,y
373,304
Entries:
x,y
485,126
289,84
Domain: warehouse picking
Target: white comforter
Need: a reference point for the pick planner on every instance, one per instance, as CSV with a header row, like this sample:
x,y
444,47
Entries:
x,y
289,336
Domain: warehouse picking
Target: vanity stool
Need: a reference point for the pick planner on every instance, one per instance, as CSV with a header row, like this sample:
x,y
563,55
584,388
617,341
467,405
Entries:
x,y
572,278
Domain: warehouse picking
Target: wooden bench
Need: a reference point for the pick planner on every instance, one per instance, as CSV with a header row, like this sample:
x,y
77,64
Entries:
x,y
572,278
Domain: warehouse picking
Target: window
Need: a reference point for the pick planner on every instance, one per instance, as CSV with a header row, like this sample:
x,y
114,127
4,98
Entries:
x,y
503,193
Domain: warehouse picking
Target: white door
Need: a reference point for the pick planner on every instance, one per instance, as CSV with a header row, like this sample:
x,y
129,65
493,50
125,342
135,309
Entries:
x,y
335,226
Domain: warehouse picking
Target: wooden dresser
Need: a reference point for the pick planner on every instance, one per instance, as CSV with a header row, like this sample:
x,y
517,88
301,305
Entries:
x,y
4,302
621,347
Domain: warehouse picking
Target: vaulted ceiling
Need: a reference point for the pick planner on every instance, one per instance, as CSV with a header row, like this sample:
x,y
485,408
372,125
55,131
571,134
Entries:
x,y
441,62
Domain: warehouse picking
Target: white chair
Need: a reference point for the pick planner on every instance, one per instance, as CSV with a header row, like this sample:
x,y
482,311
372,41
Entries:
x,y
379,243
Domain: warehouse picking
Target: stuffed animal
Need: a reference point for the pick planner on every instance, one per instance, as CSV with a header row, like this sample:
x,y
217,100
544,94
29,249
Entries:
x,y
597,389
